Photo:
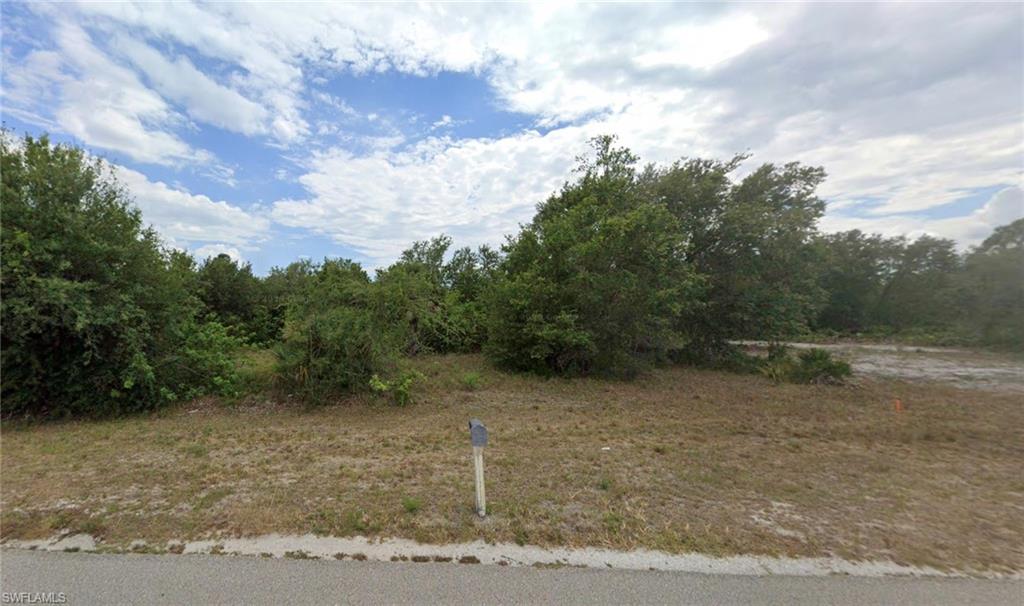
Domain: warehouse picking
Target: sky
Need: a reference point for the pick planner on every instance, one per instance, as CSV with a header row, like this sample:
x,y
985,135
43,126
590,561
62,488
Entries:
x,y
278,131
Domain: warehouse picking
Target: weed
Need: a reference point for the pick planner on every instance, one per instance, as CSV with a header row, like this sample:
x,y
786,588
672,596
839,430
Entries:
x,y
810,366
613,521
212,497
400,388
818,366
521,536
92,527
470,381
196,450
411,504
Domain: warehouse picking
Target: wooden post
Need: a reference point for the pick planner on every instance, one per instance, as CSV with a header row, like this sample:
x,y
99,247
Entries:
x,y
481,495
478,438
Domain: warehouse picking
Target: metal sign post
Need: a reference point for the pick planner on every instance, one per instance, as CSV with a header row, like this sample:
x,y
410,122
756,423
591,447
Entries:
x,y
478,437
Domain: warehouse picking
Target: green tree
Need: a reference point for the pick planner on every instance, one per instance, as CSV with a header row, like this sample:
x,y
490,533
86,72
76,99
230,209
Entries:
x,y
420,300
855,269
991,289
229,291
279,289
918,292
97,318
597,281
752,241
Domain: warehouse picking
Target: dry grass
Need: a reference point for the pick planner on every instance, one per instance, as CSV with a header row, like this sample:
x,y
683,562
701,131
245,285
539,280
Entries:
x,y
696,461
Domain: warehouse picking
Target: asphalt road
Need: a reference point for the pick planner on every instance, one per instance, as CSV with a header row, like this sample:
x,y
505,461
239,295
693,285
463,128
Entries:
x,y
201,579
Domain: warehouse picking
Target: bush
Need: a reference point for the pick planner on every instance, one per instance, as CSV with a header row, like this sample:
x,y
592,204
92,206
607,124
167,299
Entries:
x,y
97,317
411,504
717,355
399,388
470,381
436,306
337,336
203,364
810,366
333,352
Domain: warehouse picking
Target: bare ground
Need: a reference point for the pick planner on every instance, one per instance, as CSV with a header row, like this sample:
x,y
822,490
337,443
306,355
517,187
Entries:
x,y
681,461
967,368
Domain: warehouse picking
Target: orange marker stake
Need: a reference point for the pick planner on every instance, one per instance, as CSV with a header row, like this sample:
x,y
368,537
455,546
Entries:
x,y
898,405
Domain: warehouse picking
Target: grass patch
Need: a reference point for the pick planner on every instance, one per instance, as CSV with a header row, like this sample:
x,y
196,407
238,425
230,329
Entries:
x,y
196,450
212,497
411,504
696,460
471,381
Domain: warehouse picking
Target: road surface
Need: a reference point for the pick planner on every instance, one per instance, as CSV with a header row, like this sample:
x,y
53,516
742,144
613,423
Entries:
x,y
206,579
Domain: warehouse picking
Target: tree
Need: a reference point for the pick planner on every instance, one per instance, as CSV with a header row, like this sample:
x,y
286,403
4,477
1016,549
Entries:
x,y
279,289
855,269
337,336
991,289
435,303
97,317
596,282
229,291
753,243
918,290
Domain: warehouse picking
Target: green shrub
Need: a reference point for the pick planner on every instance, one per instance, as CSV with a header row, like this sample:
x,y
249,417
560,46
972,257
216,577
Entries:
x,y
718,355
399,388
336,337
204,364
818,366
411,504
809,366
470,381
98,318
333,352
435,306
256,369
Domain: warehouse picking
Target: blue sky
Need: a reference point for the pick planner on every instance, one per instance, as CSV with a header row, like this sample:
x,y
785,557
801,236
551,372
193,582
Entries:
x,y
278,131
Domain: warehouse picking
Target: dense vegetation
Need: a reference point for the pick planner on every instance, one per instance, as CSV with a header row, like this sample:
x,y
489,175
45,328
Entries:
x,y
97,317
624,267
924,288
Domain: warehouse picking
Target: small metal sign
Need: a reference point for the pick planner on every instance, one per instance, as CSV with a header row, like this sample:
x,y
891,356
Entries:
x,y
477,433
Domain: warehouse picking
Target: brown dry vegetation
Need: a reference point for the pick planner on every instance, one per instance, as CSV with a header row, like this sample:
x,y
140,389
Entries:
x,y
697,461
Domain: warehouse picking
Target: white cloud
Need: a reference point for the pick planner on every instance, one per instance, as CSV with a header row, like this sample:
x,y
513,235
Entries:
x,y
98,101
1005,206
204,99
445,120
212,250
187,219
907,107
473,189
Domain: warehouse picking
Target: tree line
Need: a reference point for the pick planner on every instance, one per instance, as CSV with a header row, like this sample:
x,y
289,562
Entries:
x,y
627,266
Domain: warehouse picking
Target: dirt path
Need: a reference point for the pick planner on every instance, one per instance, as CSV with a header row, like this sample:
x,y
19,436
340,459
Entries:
x,y
965,368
